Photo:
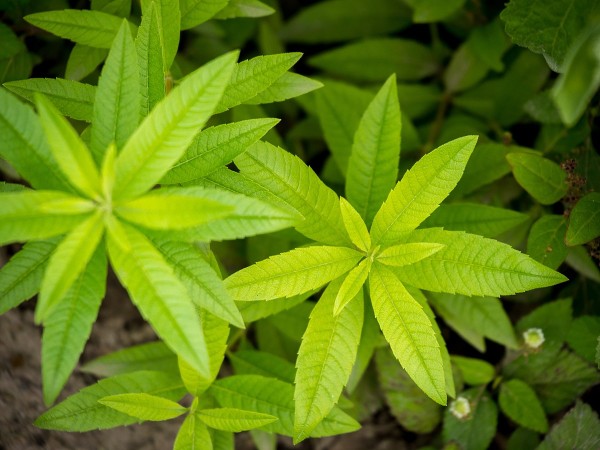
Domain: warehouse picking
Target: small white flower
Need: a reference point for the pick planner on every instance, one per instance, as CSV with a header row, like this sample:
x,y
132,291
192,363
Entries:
x,y
460,408
534,337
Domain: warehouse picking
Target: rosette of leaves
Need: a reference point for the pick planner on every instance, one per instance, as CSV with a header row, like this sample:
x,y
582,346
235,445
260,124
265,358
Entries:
x,y
374,240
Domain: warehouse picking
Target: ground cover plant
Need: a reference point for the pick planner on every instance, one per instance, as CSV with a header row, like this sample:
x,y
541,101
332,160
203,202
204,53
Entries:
x,y
313,250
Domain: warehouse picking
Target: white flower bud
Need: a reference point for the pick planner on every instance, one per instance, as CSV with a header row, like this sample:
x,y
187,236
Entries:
x,y
534,337
460,408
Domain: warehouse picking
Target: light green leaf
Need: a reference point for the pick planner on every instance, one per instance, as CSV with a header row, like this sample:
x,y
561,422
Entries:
x,y
253,311
253,362
160,297
93,28
68,327
409,332
377,59
474,265
244,8
373,164
287,177
370,339
21,276
216,147
82,412
194,12
162,138
325,359
474,371
83,60
352,285
253,76
116,105
518,401
233,419
577,429
291,273
67,262
287,86
72,155
421,190
540,177
546,241
355,226
584,220
170,19
193,435
406,254
71,98
144,406
583,336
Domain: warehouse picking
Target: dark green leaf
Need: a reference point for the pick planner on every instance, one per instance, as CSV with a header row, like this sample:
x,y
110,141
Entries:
x,y
519,402
583,336
579,429
584,220
546,242
542,178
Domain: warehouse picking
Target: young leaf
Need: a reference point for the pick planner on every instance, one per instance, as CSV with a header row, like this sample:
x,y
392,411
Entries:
x,y
116,105
355,226
352,285
160,297
82,412
144,406
406,254
408,330
68,326
584,220
519,402
165,134
370,339
474,371
325,359
291,273
170,19
373,164
546,241
542,178
233,419
193,434
288,85
195,12
421,190
72,99
577,429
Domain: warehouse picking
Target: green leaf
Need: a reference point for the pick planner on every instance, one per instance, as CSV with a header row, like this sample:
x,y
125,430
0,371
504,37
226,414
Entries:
x,y
67,262
73,157
325,359
151,64
253,362
377,59
484,220
543,179
276,398
355,226
93,28
546,241
421,190
584,220
116,105
583,336
522,438
253,76
287,177
288,85
519,402
291,273
162,138
427,11
216,147
72,99
554,318
21,276
474,265
414,410
352,285
549,29
373,164
133,359
82,412
83,60
68,327
406,254
170,19
244,8
580,260
160,297
474,371
233,419
579,429
193,435
144,406
370,339
408,330
194,12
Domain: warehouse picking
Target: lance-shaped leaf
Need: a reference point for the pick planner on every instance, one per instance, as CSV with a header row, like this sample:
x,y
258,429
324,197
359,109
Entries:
x,y
160,297
67,262
72,99
29,215
325,359
116,104
82,412
148,44
421,190
253,362
216,147
373,164
542,178
352,285
288,85
473,265
409,332
355,226
170,20
584,220
144,406
83,60
244,8
21,276
68,326
162,138
291,273
287,177
193,434
405,254
73,157
519,402
194,12
233,419
93,28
